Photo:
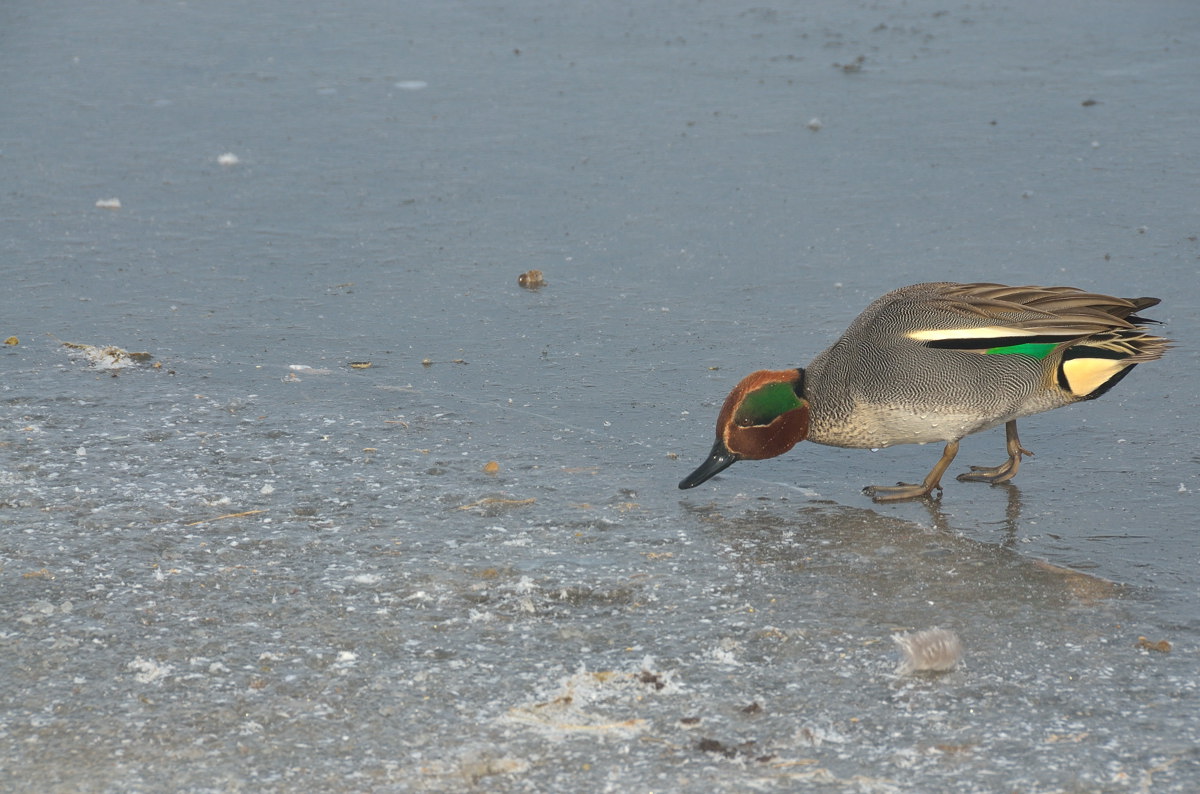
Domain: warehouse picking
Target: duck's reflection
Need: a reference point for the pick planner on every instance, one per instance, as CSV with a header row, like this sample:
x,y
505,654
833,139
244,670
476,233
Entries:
x,y
900,562
1010,525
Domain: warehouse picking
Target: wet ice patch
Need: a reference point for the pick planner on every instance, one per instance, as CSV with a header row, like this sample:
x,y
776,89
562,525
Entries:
x,y
475,765
817,735
41,609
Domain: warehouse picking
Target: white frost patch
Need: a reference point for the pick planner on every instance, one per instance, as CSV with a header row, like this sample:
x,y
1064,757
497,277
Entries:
x,y
597,704
148,671
108,203
106,357
228,159
366,578
411,85
725,652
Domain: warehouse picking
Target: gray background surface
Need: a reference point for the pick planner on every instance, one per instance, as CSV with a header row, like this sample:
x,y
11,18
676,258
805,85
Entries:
x,y
226,574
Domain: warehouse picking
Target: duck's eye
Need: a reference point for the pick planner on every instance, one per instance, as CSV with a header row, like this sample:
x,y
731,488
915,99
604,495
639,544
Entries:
x,y
745,422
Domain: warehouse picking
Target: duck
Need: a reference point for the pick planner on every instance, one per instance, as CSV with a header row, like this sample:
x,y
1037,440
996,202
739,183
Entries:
x,y
934,363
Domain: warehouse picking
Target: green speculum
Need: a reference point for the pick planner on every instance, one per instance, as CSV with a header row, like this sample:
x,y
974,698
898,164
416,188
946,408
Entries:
x,y
763,405
1032,349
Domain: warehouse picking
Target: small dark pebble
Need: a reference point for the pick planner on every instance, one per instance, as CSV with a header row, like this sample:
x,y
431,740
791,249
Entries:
x,y
745,749
654,679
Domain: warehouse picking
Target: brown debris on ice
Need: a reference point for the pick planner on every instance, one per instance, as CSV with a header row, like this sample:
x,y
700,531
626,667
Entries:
x,y
532,279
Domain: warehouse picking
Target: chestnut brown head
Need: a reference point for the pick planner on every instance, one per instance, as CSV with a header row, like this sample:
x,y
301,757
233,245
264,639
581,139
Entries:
x,y
765,415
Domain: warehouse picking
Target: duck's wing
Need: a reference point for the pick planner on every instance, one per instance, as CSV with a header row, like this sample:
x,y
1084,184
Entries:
x,y
1086,341
975,316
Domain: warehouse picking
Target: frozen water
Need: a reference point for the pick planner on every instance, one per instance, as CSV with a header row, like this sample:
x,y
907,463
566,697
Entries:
x,y
243,564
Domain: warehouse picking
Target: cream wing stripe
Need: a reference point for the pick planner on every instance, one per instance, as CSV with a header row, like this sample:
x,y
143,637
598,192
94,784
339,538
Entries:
x,y
987,332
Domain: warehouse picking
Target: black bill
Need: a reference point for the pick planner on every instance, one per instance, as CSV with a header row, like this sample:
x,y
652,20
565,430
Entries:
x,y
718,461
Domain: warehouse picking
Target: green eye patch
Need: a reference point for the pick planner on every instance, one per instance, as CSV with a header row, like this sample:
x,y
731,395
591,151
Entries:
x,y
765,404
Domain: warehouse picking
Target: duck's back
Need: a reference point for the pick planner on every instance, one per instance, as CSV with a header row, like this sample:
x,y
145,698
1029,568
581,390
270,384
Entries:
x,y
938,361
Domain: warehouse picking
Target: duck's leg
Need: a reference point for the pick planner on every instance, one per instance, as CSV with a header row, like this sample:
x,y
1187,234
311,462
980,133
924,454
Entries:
x,y
1006,470
894,493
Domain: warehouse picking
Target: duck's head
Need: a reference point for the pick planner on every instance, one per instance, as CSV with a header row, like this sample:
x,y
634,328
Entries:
x,y
765,415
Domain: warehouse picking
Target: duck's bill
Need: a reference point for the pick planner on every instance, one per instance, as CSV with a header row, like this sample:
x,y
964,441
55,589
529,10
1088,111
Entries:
x,y
718,461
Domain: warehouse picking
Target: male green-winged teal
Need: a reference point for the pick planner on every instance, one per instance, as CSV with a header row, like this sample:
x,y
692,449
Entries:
x,y
937,362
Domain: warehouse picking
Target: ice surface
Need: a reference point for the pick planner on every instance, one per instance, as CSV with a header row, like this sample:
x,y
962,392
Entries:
x,y
248,565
